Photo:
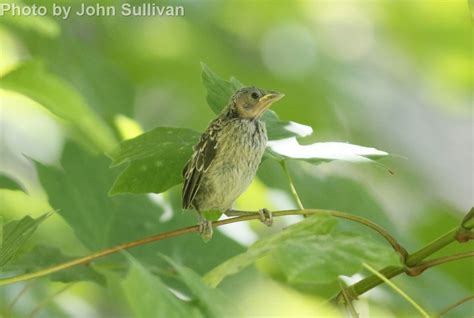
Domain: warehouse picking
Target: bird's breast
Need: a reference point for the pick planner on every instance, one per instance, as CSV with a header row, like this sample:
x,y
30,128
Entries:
x,y
240,147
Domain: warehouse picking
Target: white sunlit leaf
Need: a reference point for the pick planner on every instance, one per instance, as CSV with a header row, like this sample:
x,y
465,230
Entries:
x,y
290,148
299,129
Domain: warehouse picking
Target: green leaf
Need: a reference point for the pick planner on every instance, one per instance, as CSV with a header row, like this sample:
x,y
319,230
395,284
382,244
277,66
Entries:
x,y
15,234
42,256
219,92
31,80
154,160
312,252
9,183
79,190
148,296
212,301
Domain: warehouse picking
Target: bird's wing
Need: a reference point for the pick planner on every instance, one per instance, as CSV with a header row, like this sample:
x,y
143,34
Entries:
x,y
197,166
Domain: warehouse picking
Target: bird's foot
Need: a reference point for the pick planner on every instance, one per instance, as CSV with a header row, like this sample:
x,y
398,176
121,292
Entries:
x,y
205,229
266,216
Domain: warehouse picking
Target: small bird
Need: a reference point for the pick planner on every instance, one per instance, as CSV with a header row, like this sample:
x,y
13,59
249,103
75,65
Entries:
x,y
226,158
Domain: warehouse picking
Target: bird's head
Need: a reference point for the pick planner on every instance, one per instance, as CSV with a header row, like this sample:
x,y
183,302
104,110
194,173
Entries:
x,y
251,102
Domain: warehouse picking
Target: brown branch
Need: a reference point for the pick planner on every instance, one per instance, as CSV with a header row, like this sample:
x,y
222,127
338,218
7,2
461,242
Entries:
x,y
456,304
162,236
462,233
421,267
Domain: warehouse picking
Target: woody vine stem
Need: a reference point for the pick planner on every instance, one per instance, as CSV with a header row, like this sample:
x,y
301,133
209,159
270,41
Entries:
x,y
412,264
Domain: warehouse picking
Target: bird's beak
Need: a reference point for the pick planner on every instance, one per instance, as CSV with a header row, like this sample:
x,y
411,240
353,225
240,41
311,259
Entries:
x,y
268,99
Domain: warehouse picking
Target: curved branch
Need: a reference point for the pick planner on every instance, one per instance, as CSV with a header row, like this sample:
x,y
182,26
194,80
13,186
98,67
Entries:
x,y
421,267
462,233
191,229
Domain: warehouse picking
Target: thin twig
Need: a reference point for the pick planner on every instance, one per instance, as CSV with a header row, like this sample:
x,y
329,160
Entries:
x,y
456,304
48,299
398,290
421,267
25,288
292,185
347,300
191,229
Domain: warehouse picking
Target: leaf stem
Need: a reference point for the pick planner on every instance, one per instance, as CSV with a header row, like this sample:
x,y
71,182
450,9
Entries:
x,y
398,290
17,298
284,165
421,267
45,301
347,300
456,304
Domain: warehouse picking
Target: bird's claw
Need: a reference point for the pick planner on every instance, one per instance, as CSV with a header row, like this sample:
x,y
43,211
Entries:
x,y
205,229
266,216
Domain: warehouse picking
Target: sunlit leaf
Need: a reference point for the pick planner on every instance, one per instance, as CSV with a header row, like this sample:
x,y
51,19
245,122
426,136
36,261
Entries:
x,y
15,234
312,252
31,80
154,160
219,92
322,151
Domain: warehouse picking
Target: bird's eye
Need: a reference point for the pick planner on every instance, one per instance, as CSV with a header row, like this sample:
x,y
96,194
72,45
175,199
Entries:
x,y
255,95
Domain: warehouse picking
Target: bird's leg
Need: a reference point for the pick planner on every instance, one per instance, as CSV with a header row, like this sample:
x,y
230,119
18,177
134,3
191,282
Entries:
x,y
265,215
205,227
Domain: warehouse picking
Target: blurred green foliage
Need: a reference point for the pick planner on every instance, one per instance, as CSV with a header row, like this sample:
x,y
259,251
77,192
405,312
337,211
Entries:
x,y
394,75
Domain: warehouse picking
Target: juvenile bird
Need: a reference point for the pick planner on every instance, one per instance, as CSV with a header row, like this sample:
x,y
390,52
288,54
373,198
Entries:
x,y
226,158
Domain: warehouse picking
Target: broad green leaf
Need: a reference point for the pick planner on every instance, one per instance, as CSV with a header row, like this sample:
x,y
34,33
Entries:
x,y
79,190
154,160
312,252
31,80
212,301
15,234
9,183
42,256
219,92
315,153
148,296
